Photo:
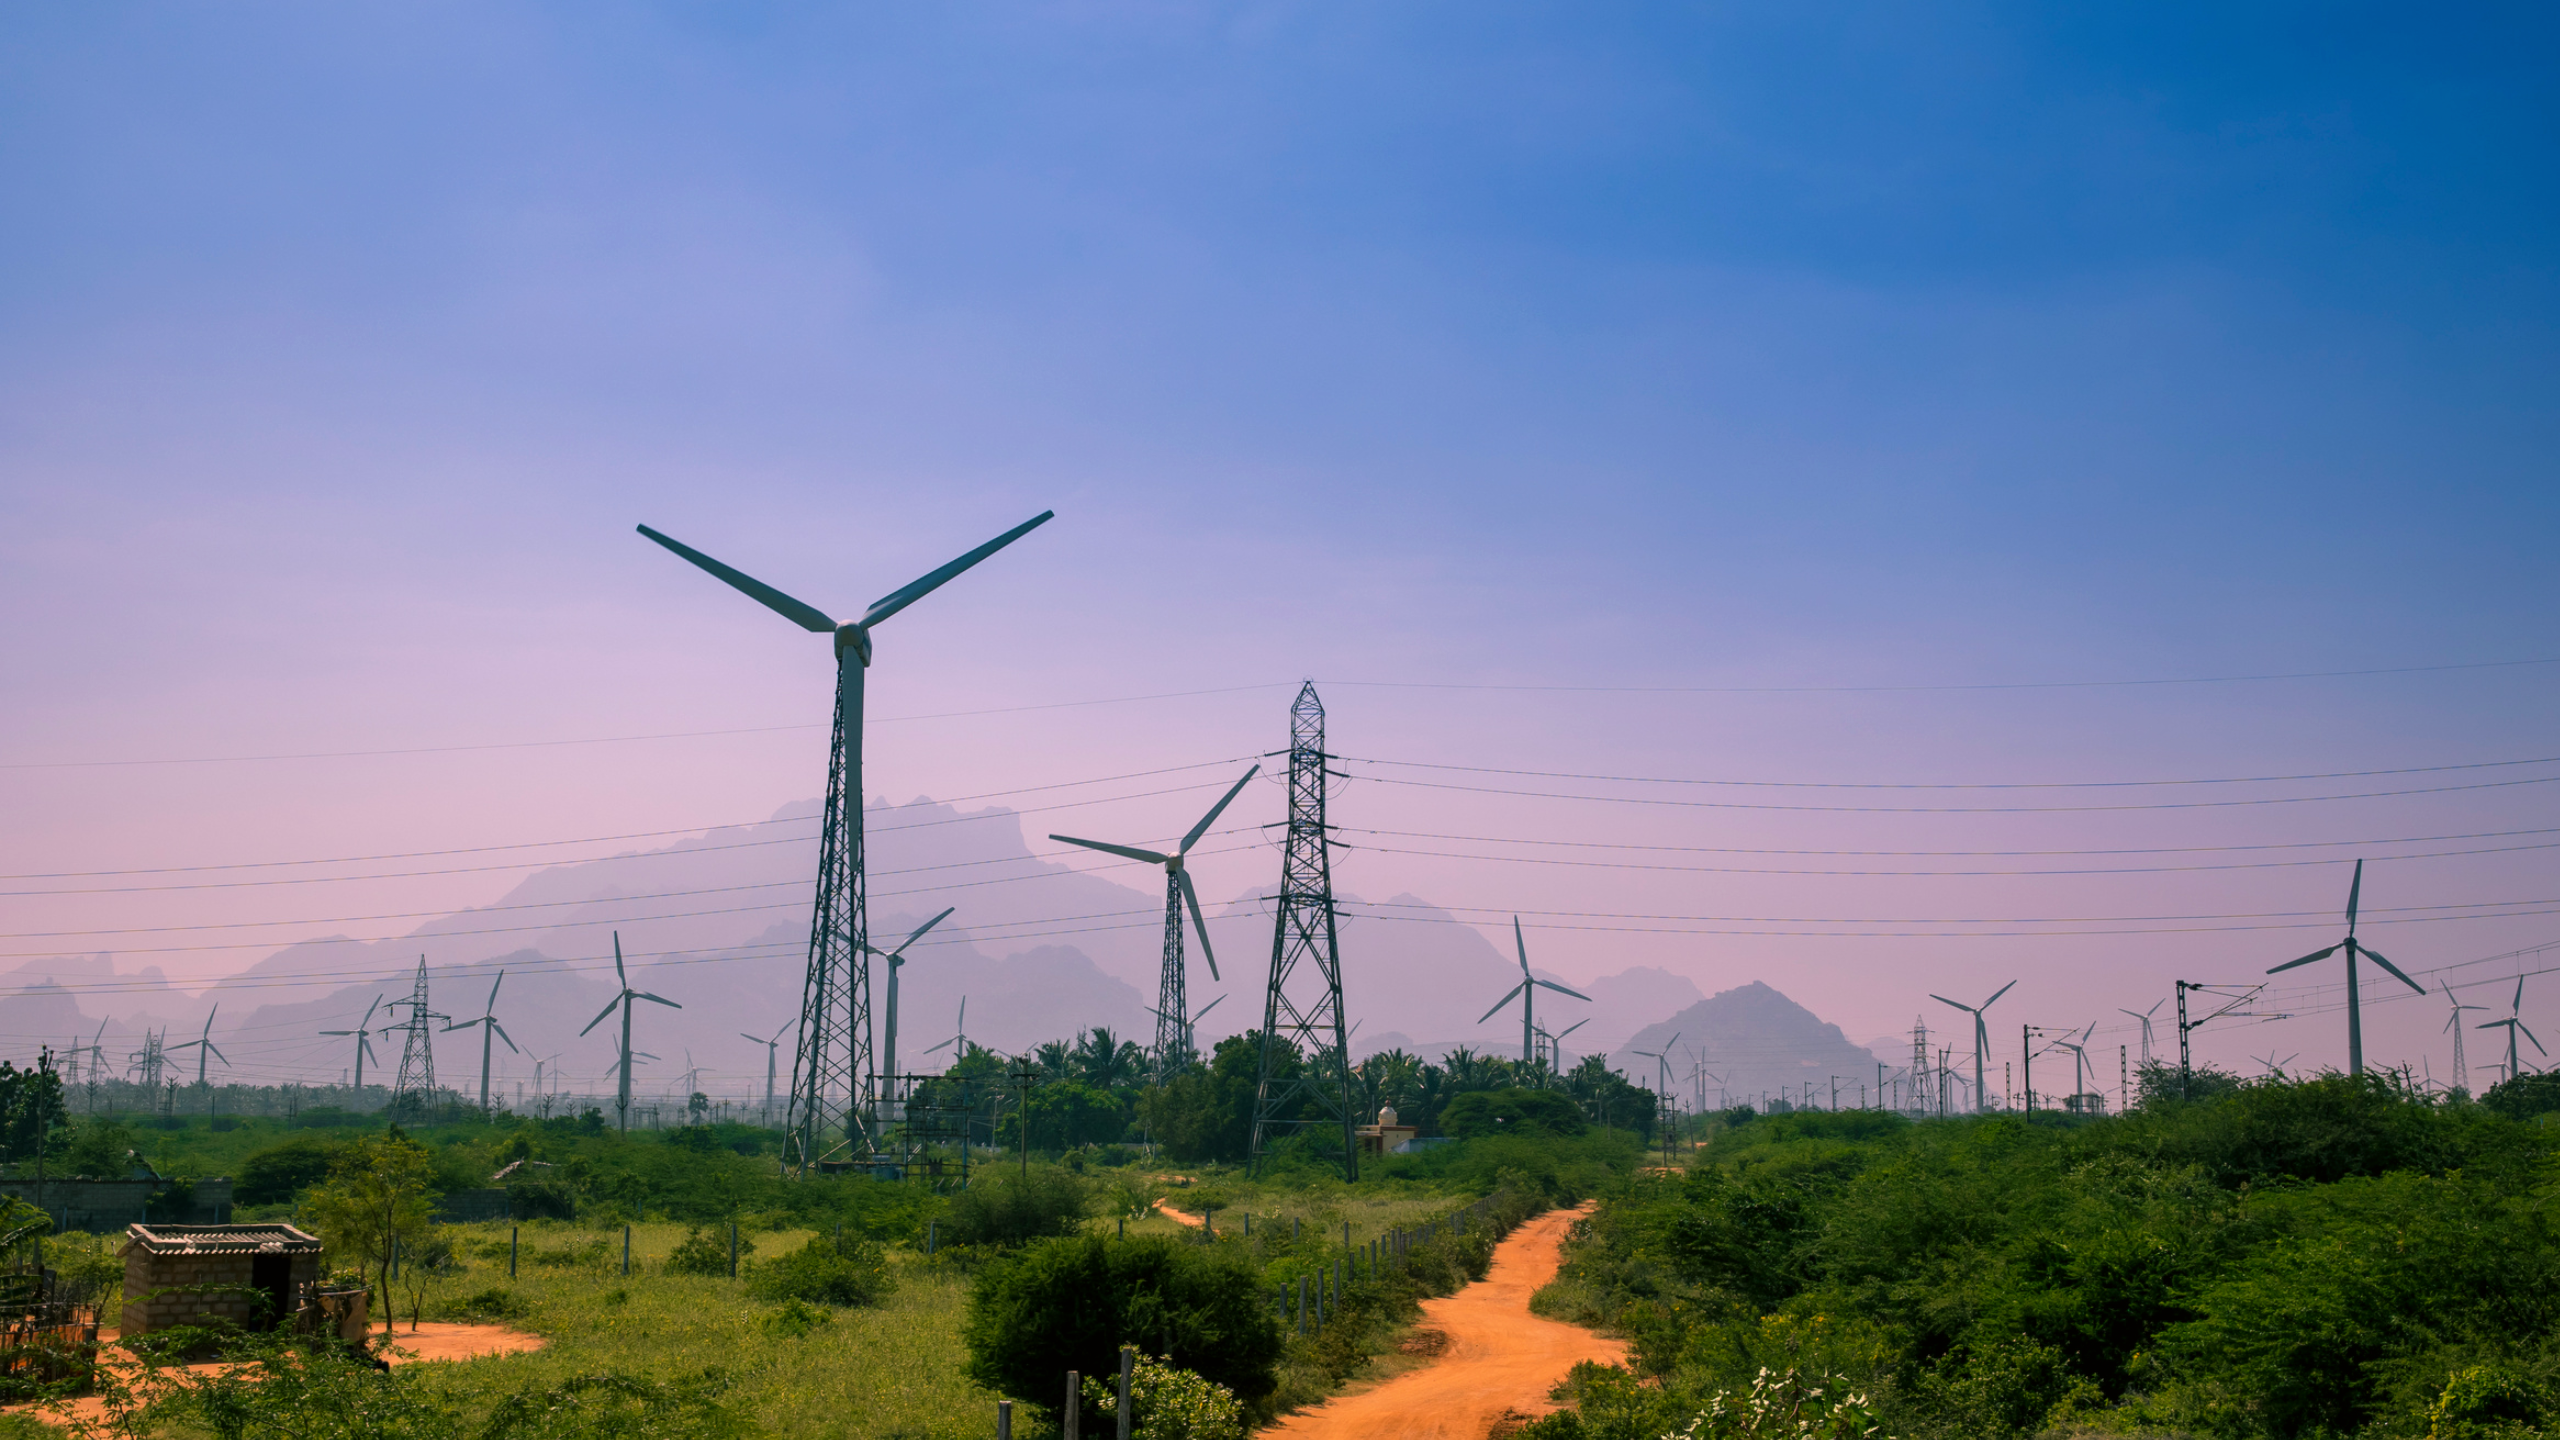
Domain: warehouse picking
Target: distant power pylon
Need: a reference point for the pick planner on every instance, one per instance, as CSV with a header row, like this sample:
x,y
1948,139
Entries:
x,y
417,1080
1302,1018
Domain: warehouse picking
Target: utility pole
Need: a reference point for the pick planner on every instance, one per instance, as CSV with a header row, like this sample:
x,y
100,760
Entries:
x,y
2026,1048
2183,1071
1305,1020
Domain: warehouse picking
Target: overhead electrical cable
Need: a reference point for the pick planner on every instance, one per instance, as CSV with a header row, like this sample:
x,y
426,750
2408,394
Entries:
x,y
1955,784
1649,800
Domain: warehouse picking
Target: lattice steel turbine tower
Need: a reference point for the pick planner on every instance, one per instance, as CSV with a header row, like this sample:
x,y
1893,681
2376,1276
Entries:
x,y
1302,1007
417,1079
832,1087
1173,1032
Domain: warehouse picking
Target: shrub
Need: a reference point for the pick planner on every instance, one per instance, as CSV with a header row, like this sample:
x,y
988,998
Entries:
x,y
281,1173
706,1252
1511,1112
795,1319
827,1272
1007,1209
2485,1401
612,1407
494,1303
1166,1403
1070,1304
541,1200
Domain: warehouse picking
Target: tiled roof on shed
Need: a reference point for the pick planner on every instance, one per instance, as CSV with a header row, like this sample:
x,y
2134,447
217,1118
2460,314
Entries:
x,y
220,1240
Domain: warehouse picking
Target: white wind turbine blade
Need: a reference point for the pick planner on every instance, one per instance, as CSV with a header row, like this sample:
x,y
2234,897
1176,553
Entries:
x,y
2305,960
492,1006
501,1032
1129,851
1211,818
1523,946
600,1015
925,584
1205,1009
644,995
929,924
1996,994
798,612
1505,1000
1943,1000
1564,990
2376,957
1199,923
619,978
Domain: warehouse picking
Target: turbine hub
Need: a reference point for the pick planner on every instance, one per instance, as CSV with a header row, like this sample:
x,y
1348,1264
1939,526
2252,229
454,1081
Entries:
x,y
852,636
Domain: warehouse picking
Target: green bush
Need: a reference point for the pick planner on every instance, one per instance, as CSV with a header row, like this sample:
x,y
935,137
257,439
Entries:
x,y
1070,1304
494,1303
281,1173
796,1319
2487,1401
1167,1403
1511,1112
852,1271
705,1251
1006,1209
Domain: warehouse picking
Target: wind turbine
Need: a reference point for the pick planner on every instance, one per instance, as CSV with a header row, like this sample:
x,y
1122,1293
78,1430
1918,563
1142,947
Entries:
x,y
203,1045
2355,1014
772,1048
2513,1023
2145,1017
832,1062
1172,1002
2453,1024
959,1036
1981,1033
897,961
364,1044
1527,990
96,1052
1556,1042
622,1100
487,1025
2079,1060
1661,1066
2275,1067
1191,1027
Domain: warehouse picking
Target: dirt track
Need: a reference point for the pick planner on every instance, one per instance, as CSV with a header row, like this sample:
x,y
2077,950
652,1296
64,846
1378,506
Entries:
x,y
1499,1363
428,1342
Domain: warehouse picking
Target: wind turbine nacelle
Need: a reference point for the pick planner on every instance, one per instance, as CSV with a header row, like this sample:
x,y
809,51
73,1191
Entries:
x,y
852,636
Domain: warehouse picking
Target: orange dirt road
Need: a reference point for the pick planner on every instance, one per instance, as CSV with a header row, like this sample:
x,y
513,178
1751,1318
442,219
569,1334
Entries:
x,y
429,1341
1500,1362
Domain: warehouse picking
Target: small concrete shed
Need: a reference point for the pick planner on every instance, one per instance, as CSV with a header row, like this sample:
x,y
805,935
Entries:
x,y
250,1275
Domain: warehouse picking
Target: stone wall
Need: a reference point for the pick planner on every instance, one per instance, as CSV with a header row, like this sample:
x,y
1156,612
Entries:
x,y
165,1290
103,1207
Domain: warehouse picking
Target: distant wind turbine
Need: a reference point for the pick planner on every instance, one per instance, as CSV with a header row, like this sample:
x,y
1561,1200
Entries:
x,y
364,1045
1981,1033
1191,1027
897,961
773,1047
1172,990
2145,1017
2453,1024
622,1099
958,1044
488,1026
2513,1023
1527,991
1555,1044
204,1046
2275,1067
2355,1014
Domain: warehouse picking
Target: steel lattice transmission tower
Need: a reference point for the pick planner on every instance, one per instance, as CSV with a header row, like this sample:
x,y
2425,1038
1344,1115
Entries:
x,y
833,1089
417,1079
1302,1017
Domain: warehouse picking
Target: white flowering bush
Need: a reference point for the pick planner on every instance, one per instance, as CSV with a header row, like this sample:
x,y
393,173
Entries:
x,y
1170,1404
1786,1405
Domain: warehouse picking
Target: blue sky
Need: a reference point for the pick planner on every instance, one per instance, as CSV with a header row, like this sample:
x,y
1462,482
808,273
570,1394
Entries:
x,y
1602,346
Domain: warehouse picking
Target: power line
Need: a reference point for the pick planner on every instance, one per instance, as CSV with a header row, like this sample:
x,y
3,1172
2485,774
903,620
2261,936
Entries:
x,y
646,834
1951,686
1956,784
1928,874
1959,809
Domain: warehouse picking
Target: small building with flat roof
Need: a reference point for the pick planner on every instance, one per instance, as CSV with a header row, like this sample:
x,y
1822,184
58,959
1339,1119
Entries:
x,y
250,1275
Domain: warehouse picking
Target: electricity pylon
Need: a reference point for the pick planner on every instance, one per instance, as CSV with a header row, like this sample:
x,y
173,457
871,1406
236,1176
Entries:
x,y
831,1068
1302,1017
417,1079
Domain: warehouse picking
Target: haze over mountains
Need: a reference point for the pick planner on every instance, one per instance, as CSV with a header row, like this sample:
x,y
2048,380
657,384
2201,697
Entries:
x,y
1040,947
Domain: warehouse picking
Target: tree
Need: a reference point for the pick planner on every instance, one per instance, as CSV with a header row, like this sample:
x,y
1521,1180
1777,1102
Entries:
x,y
1511,1112
1070,1304
1207,1114
376,1202
30,1107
